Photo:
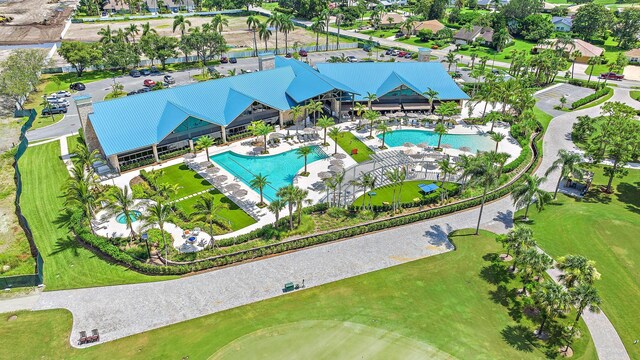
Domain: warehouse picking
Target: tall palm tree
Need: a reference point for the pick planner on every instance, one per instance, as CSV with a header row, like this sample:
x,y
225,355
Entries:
x,y
314,107
370,98
532,264
296,111
79,191
206,209
131,31
359,108
326,14
287,195
84,156
158,214
441,130
317,26
264,33
259,182
447,167
106,35
577,269
276,21
181,23
287,26
483,173
299,196
325,122
592,62
583,296
219,22
338,15
393,176
552,300
260,128
372,116
147,29
253,22
121,202
384,129
275,206
304,151
205,142
431,95
528,191
497,137
574,56
450,59
569,163
368,181
335,133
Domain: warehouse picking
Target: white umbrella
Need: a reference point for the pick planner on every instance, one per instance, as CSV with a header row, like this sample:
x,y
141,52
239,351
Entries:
x,y
276,135
432,117
335,168
413,115
408,144
423,145
204,164
340,156
325,175
465,148
232,187
309,131
410,151
213,170
383,118
399,114
337,162
220,178
240,193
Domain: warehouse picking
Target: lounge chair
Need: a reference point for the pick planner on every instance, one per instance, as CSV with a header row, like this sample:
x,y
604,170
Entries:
x,y
196,231
95,336
83,338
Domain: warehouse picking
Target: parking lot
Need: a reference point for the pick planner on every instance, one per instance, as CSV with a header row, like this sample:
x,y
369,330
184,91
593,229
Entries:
x,y
550,98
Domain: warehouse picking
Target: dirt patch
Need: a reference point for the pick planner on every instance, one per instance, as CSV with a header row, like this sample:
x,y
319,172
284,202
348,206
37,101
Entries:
x,y
13,317
34,21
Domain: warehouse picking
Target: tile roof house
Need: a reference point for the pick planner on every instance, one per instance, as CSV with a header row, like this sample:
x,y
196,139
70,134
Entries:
x,y
562,23
586,49
478,33
391,20
433,25
633,55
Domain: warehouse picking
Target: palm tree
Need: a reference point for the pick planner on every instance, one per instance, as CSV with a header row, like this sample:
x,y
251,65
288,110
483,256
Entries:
x,y
450,59
440,130
483,173
296,111
583,296
106,35
532,264
384,129
207,210
304,151
431,95
370,98
497,137
529,190
275,20
552,300
314,107
287,194
408,26
147,29
286,26
359,108
79,191
299,196
592,62
368,181
180,22
393,176
166,190
219,22
264,33
121,202
253,22
275,206
326,14
577,269
334,133
158,214
446,168
325,122
569,163
205,142
260,128
372,116
574,56
473,56
259,182
317,26
131,31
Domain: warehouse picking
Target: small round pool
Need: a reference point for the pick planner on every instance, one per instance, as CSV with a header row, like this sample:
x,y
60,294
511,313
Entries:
x,y
134,214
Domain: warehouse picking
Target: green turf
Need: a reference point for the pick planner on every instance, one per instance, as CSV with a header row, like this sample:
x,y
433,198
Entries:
x,y
190,181
347,141
72,143
237,218
605,229
410,191
503,56
611,51
382,33
635,94
66,263
449,302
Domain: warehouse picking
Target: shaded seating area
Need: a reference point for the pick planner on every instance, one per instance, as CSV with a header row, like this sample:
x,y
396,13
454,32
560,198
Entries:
x,y
427,189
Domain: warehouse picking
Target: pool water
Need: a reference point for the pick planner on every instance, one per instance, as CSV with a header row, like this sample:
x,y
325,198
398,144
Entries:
x,y
279,169
474,141
134,214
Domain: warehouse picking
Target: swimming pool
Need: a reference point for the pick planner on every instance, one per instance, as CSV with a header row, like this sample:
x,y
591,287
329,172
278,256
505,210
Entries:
x,y
134,214
279,169
474,141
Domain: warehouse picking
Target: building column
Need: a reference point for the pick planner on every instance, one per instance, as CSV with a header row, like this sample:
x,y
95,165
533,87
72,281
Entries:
x,y
113,160
193,150
281,118
154,147
223,132
353,105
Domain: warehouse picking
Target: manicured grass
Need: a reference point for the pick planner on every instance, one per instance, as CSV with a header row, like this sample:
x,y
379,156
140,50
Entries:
x,y
414,40
72,142
603,228
66,263
504,55
237,218
410,191
635,94
347,141
190,182
382,33
611,51
460,303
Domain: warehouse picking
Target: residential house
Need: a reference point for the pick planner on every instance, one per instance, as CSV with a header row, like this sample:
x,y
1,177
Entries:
x,y
433,25
155,6
633,55
486,4
114,6
387,3
391,20
483,35
586,49
562,23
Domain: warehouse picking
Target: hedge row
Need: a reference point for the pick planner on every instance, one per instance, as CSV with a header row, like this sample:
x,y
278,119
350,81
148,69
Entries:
x,y
239,136
589,98
137,164
583,83
173,154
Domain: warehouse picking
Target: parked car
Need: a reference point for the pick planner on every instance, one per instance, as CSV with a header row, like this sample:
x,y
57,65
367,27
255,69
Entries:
x,y
132,92
402,53
57,101
611,76
155,71
288,55
388,52
134,73
394,52
145,72
54,109
233,60
408,56
61,94
77,86
224,60
399,34
144,90
352,59
149,83
302,53
169,79
366,48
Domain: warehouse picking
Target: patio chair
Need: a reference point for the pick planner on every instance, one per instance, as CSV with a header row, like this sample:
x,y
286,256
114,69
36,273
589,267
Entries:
x,y
83,338
95,336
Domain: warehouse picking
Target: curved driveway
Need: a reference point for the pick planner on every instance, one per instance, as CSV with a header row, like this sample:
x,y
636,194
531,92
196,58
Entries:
x,y
113,310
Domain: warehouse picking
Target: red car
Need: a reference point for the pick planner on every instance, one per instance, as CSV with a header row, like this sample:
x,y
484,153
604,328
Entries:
x,y
149,83
402,53
611,76
302,53
224,60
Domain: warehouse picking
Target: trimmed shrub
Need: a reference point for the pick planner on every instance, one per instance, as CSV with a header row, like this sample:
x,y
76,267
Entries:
x,y
593,97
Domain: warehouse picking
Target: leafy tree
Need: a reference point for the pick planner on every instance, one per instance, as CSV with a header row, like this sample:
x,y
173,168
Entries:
x,y
207,210
592,20
425,34
569,163
528,191
158,214
80,54
520,9
438,9
536,27
19,73
577,269
259,182
304,151
120,55
627,27
166,48
205,142
325,122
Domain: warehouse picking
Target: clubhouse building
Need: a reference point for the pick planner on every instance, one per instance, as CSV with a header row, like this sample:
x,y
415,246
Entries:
x,y
145,128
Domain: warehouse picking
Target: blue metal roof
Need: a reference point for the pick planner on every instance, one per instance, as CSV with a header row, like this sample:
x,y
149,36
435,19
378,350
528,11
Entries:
x,y
381,78
309,83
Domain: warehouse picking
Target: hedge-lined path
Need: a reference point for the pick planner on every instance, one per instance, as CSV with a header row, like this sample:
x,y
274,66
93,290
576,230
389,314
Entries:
x,y
115,310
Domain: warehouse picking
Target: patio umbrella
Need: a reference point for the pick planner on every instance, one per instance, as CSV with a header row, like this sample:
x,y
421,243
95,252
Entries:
x,y
335,168
410,151
339,156
204,164
325,175
465,148
423,145
213,170
432,117
445,146
189,156
232,187
221,178
399,114
413,115
383,118
276,135
408,144
337,162
309,131
240,193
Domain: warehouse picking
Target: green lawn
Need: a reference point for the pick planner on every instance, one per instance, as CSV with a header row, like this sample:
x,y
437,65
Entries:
x,y
382,33
504,55
66,263
347,141
410,191
238,219
635,94
611,51
460,303
414,40
190,181
605,229
72,142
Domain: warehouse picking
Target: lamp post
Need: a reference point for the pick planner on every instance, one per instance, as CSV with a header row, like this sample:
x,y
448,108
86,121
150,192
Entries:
x,y
145,237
